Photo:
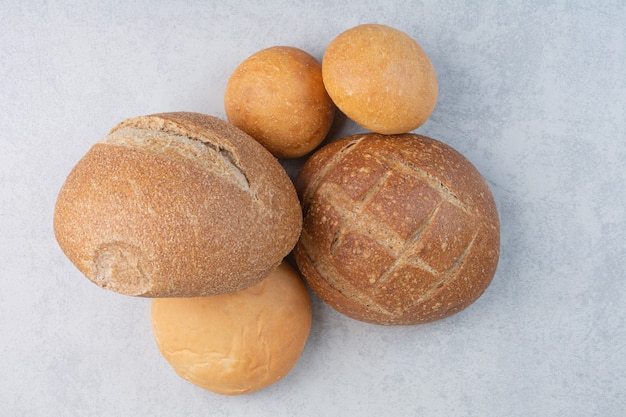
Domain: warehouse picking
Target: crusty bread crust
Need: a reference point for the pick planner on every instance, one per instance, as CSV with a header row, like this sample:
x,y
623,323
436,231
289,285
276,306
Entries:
x,y
397,229
177,205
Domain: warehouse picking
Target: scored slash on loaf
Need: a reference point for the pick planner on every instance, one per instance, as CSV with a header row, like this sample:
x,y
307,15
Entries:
x,y
397,229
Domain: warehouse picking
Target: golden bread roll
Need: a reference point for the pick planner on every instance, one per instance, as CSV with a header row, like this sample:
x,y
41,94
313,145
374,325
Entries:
x,y
381,78
240,342
177,205
277,96
397,229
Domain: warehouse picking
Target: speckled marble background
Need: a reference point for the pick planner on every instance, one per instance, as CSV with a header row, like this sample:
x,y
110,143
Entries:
x,y
532,92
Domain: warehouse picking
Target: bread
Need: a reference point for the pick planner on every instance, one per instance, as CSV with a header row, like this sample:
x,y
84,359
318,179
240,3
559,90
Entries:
x,y
278,97
177,205
381,78
240,342
397,230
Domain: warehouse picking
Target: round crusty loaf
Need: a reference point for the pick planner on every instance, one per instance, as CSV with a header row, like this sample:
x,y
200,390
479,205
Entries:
x,y
397,229
177,205
240,342
380,78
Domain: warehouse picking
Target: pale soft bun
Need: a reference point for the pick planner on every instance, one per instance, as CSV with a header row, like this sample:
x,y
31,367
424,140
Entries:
x,y
240,342
397,230
381,78
278,97
177,205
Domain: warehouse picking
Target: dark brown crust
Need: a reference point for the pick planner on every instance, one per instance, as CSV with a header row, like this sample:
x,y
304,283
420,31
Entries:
x,y
397,229
147,222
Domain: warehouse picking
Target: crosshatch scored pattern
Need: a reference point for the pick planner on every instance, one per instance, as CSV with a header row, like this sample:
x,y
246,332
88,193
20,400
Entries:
x,y
389,226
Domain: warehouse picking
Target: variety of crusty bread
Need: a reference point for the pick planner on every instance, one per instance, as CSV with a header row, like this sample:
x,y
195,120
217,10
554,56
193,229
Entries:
x,y
388,227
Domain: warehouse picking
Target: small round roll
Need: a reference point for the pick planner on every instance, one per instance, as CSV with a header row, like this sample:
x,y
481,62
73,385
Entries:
x,y
277,96
240,342
380,78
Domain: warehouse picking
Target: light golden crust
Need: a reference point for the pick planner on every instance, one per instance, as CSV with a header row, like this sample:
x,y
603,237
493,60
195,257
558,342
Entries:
x,y
240,342
277,96
397,229
177,205
380,78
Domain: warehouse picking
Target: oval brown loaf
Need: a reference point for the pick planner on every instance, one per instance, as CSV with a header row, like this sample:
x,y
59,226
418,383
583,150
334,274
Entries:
x,y
177,205
397,229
